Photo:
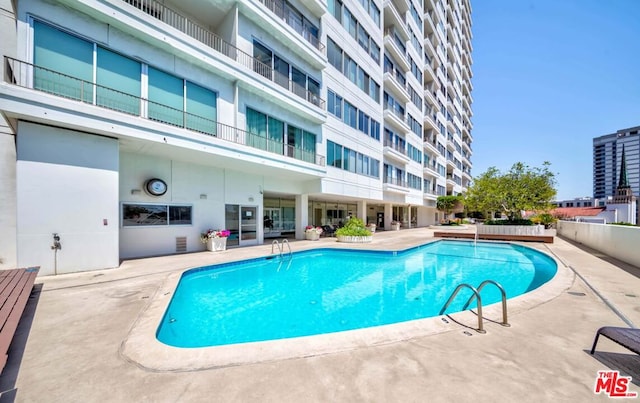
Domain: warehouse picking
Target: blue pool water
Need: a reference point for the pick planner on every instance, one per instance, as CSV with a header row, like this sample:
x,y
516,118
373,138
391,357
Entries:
x,y
329,290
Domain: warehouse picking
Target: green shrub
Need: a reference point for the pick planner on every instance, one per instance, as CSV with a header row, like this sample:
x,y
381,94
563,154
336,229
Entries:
x,y
545,219
354,227
622,223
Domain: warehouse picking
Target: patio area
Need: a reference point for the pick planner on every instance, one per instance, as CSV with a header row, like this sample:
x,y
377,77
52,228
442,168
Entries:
x,y
77,343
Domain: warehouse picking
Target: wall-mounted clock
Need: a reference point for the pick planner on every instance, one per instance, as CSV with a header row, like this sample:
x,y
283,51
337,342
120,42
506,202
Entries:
x,y
156,187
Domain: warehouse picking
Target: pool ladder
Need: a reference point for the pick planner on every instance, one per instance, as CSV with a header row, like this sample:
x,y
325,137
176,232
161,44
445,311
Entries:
x,y
476,294
281,247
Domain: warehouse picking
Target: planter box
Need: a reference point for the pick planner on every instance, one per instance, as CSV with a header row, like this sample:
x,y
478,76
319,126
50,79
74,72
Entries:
x,y
536,230
395,227
217,244
354,239
311,236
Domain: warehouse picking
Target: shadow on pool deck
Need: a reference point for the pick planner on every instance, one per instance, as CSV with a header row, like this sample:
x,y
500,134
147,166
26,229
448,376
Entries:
x,y
73,351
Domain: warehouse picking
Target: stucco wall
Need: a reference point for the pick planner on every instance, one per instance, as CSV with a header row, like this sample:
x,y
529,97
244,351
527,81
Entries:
x,y
618,241
67,184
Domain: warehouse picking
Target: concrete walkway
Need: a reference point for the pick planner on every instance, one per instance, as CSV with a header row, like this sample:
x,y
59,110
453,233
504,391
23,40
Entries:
x,y
76,344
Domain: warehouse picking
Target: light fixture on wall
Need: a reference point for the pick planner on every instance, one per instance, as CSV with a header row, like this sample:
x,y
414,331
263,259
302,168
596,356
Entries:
x,y
135,191
260,189
203,196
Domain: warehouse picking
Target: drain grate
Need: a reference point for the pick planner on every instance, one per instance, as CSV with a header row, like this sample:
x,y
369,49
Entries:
x,y
577,294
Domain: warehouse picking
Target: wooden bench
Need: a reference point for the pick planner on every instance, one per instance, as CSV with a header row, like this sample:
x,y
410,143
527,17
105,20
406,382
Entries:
x,y
15,288
494,237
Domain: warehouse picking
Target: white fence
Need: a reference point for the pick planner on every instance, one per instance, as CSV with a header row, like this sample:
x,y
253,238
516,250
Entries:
x,y
618,241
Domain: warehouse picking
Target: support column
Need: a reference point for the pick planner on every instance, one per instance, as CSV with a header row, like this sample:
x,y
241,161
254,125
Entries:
x,y
388,216
362,211
302,214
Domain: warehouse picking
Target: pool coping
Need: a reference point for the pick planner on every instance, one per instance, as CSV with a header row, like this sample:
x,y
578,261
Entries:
x,y
141,347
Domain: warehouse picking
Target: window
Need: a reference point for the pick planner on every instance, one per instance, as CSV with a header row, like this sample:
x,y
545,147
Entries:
x,y
335,54
335,104
201,109
268,133
118,80
166,97
335,8
263,57
350,160
61,52
138,215
352,116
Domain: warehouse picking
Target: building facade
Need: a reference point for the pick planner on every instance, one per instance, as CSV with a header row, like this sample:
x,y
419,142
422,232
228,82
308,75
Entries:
x,y
608,151
132,126
607,158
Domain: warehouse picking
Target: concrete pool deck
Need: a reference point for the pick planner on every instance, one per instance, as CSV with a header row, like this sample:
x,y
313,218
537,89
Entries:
x,y
78,342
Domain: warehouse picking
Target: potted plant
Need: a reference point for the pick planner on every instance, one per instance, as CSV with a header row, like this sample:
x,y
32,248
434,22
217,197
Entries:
x,y
354,231
395,225
371,227
216,240
312,233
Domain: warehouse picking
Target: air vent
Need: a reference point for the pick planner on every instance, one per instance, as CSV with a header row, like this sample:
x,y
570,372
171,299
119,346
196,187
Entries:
x,y
181,244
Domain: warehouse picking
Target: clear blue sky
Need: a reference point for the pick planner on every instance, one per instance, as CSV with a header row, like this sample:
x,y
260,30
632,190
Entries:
x,y
548,77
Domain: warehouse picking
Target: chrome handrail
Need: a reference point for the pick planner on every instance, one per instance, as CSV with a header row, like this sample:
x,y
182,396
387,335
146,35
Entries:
x,y
504,299
475,292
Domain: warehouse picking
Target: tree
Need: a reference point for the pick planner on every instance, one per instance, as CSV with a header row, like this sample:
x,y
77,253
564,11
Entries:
x,y
520,189
449,204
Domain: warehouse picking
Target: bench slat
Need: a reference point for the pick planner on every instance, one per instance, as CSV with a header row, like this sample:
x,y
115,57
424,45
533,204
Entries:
x,y
15,288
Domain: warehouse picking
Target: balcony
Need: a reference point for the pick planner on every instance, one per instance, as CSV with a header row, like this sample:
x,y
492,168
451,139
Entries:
x,y
213,41
430,168
395,185
33,77
277,9
396,82
396,46
429,194
396,118
395,152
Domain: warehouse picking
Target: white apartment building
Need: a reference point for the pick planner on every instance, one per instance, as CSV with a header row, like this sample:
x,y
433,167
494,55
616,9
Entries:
x,y
129,127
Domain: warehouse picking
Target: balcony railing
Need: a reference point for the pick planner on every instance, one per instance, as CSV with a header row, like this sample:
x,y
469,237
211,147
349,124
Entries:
x,y
30,76
396,147
399,77
391,107
277,9
391,32
395,181
190,28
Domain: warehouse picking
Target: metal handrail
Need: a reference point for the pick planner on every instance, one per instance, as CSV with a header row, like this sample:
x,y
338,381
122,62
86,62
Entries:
x,y
504,298
286,242
275,242
475,292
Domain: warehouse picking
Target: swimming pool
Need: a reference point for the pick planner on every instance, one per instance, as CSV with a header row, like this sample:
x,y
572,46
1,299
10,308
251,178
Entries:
x,y
328,290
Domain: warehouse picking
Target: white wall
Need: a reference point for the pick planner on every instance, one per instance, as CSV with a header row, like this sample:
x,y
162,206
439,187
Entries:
x,y
67,184
618,241
186,183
